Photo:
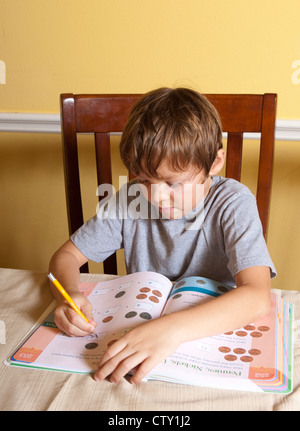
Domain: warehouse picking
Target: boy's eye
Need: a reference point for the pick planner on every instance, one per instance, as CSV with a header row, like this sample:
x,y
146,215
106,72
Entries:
x,y
143,181
173,185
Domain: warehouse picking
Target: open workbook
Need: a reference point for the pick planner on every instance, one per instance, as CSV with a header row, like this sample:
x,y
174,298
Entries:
x,y
257,357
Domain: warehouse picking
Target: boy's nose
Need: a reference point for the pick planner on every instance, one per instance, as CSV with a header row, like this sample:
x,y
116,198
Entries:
x,y
160,192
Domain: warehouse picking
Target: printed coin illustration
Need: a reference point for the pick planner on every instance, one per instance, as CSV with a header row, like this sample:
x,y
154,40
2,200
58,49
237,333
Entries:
x,y
179,284
256,334
145,315
145,289
230,358
201,281
254,352
141,296
246,358
130,314
157,293
241,333
239,351
249,327
154,299
107,319
222,289
178,295
120,294
224,349
90,346
229,333
263,328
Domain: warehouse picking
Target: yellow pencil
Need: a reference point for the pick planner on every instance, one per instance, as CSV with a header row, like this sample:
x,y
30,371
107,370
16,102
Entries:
x,y
68,298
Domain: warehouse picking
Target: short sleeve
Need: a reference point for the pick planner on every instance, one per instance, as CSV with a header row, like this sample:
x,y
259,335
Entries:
x,y
99,237
244,242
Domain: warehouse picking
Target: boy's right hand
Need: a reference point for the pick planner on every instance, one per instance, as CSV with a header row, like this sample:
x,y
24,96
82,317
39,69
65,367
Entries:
x,y
68,321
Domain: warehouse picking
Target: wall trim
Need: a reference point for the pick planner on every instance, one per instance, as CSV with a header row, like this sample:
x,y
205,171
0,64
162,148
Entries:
x,y
286,130
29,123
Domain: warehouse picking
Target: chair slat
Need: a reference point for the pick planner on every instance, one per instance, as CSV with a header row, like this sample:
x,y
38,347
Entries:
x,y
234,155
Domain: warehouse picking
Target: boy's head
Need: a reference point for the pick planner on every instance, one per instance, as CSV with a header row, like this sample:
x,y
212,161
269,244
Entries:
x,y
177,126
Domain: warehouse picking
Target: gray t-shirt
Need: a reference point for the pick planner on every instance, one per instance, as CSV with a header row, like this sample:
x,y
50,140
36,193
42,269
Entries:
x,y
225,238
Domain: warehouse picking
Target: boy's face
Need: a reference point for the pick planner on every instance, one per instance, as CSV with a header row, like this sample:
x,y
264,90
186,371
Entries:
x,y
175,194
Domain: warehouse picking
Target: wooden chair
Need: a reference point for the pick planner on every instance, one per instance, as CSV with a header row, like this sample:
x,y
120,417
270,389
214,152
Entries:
x,y
102,114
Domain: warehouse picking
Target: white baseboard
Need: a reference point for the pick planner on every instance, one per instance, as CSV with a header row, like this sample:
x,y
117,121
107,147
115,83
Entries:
x,y
286,130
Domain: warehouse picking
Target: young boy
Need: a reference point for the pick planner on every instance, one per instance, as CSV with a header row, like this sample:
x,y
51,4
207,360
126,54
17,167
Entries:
x,y
177,218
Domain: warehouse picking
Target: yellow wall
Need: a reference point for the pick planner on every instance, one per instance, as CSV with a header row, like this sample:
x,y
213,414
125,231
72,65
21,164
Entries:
x,y
53,46
112,46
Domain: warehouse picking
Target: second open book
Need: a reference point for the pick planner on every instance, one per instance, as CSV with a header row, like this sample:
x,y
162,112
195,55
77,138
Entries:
x,y
257,357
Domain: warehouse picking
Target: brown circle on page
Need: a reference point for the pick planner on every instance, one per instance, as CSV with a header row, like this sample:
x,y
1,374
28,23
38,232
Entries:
x,y
256,334
130,314
254,352
239,351
107,319
179,284
145,315
120,294
263,328
201,281
241,333
249,327
154,299
90,346
145,289
222,289
178,295
224,349
141,296
229,333
246,358
230,358
157,293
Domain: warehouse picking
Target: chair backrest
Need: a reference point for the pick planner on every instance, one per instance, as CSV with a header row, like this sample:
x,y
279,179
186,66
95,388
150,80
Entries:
x,y
102,114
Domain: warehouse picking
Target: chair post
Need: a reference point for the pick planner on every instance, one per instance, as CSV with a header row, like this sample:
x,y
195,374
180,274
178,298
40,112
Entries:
x,y
266,157
71,167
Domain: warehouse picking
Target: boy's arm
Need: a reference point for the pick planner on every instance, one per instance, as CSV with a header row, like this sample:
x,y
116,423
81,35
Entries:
x,y
64,265
243,305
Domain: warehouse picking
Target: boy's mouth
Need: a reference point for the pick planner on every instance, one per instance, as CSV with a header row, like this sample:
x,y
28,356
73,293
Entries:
x,y
167,211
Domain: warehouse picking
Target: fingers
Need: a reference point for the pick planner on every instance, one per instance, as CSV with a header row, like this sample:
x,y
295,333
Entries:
x,y
87,310
120,365
138,351
71,323
121,359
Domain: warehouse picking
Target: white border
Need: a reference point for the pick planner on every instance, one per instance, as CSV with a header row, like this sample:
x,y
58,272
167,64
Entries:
x,y
286,130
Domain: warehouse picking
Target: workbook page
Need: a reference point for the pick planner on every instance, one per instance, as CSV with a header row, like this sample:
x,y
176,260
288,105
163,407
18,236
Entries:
x,y
118,306
245,353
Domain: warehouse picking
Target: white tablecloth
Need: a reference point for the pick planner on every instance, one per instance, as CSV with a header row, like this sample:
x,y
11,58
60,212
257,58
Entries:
x,y
24,296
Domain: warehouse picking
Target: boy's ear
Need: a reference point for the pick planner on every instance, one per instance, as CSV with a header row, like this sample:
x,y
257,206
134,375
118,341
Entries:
x,y
218,163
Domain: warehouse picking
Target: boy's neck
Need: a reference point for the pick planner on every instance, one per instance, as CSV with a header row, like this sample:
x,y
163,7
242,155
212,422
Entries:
x,y
207,185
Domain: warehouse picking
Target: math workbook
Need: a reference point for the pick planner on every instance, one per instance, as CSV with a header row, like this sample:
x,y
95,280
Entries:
x,y
257,357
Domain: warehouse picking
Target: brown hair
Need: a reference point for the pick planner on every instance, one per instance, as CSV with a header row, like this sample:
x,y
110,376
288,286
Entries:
x,y
177,125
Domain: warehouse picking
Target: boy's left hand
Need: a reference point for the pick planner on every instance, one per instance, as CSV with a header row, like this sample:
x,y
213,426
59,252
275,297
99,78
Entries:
x,y
144,346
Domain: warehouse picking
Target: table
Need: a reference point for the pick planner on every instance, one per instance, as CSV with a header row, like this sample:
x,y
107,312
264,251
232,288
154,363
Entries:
x,y
24,297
